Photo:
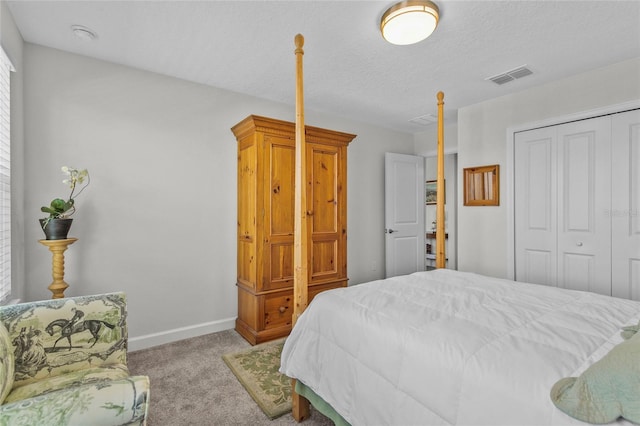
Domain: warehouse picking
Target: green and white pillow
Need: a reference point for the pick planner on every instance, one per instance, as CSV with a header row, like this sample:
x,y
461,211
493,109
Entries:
x,y
608,389
629,331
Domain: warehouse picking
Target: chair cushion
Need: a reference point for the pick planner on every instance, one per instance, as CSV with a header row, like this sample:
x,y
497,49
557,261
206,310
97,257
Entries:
x,y
73,378
7,363
101,403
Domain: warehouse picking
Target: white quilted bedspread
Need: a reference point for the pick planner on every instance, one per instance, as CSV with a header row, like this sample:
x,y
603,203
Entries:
x,y
446,347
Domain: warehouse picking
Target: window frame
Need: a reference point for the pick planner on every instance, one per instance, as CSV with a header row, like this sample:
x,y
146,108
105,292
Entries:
x,y
6,67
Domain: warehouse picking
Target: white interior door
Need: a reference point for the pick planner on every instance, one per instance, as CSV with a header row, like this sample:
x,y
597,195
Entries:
x,y
404,214
625,207
584,192
535,206
562,186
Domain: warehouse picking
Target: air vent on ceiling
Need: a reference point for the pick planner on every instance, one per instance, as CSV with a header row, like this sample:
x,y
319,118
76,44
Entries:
x,y
511,75
424,120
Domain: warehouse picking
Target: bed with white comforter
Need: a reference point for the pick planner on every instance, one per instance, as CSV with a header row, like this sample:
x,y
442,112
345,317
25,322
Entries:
x,y
446,347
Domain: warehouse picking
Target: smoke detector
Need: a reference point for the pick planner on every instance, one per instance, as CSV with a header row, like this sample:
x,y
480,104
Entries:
x,y
84,33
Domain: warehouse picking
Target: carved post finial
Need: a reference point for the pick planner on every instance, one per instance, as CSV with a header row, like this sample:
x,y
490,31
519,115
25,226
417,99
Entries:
x,y
299,40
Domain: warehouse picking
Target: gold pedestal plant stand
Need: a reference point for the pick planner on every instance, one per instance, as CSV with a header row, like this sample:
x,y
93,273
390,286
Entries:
x,y
58,247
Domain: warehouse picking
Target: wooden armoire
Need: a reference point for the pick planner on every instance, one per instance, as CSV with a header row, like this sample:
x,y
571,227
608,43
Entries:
x,y
266,167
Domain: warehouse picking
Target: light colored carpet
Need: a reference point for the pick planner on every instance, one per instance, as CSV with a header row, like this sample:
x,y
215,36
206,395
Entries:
x,y
191,385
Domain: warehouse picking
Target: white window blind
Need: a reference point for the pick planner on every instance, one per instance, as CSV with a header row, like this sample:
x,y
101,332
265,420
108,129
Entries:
x,y
5,177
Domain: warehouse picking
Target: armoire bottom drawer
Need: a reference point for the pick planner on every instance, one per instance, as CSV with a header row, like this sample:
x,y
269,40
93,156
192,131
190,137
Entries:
x,y
278,309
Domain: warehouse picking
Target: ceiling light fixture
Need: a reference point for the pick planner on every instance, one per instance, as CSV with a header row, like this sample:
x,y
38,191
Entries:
x,y
84,33
409,22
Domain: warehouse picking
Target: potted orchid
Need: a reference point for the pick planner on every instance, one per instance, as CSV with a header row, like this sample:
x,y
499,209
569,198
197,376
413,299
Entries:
x,y
56,225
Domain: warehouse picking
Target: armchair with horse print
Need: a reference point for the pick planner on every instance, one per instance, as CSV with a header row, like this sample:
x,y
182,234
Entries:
x,y
64,362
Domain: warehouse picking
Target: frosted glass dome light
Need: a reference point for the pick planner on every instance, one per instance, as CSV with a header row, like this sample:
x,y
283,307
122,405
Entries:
x,y
409,22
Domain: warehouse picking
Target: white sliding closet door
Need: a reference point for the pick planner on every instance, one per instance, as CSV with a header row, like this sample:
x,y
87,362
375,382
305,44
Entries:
x,y
625,208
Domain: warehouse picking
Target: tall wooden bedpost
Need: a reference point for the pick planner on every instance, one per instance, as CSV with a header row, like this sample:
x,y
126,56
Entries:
x,y
441,259
300,405
300,222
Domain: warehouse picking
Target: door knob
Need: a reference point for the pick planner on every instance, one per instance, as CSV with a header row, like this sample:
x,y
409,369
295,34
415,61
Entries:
x,y
391,231
579,243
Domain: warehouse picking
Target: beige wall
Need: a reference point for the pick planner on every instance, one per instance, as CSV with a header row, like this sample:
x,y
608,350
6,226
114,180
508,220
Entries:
x,y
426,142
159,218
482,140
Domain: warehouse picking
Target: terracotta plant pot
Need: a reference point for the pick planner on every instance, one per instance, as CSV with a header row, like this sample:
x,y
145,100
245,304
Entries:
x,y
56,229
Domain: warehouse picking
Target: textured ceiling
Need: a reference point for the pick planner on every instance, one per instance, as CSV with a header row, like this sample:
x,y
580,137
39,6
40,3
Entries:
x,y
350,71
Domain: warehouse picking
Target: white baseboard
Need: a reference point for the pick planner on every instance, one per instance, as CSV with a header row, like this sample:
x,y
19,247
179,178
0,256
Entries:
x,y
155,339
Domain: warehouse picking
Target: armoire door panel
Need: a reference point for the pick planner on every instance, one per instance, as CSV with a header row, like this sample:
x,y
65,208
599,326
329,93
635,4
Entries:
x,y
246,233
247,168
247,267
278,202
325,201
625,206
281,185
280,270
324,256
324,189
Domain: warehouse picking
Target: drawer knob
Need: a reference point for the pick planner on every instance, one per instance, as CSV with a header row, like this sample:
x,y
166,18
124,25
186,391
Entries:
x,y
282,309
